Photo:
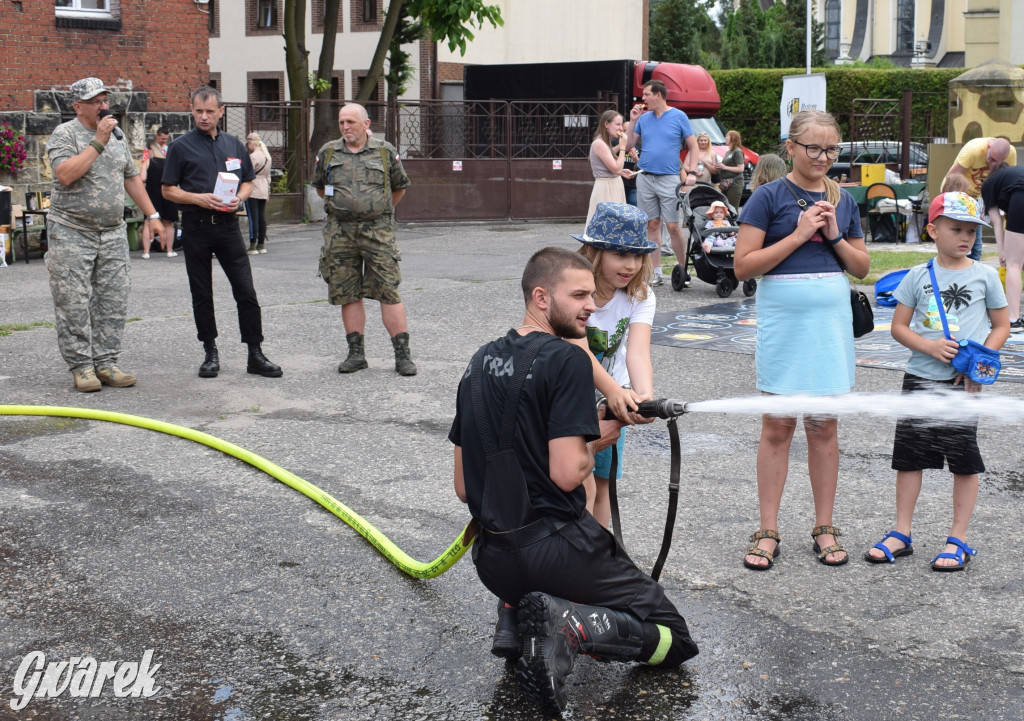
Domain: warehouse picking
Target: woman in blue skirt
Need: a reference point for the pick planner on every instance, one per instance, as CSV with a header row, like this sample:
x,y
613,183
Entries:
x,y
799,233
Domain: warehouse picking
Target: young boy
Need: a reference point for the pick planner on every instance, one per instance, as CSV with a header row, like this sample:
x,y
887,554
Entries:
x,y
975,308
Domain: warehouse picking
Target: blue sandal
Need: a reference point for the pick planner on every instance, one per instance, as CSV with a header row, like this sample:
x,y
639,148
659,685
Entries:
x,y
958,556
891,556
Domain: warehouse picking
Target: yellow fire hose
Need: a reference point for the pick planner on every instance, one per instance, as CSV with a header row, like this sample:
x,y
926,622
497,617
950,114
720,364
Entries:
x,y
367,530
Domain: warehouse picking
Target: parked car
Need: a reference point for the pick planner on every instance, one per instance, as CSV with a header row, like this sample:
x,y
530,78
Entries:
x,y
887,152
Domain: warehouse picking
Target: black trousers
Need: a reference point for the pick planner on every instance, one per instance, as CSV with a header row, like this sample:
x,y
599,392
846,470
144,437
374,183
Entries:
x,y
581,563
257,211
202,238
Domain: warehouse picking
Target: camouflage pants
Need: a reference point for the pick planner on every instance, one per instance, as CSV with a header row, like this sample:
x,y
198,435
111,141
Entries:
x,y
360,260
89,282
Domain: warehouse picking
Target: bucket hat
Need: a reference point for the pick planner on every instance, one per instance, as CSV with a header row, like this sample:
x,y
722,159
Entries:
x,y
87,89
618,227
718,204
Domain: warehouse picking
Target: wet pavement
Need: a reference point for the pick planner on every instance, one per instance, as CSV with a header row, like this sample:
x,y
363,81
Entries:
x,y
259,604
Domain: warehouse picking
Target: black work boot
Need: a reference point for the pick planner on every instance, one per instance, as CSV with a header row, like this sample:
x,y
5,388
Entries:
x,y
553,631
356,359
403,358
551,638
506,642
259,365
211,366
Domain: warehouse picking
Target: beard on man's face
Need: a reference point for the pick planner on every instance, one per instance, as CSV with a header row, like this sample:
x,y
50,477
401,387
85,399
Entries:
x,y
563,324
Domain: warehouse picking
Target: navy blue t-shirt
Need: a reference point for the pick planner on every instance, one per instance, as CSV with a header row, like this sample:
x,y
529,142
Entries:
x,y
773,209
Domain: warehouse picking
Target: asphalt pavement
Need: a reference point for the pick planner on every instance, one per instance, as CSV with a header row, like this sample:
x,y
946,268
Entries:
x,y
259,604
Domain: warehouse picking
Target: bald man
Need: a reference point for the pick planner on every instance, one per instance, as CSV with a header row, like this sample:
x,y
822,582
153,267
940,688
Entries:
x,y
361,180
975,161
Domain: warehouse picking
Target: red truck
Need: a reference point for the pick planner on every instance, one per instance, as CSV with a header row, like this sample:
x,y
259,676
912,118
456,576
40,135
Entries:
x,y
690,88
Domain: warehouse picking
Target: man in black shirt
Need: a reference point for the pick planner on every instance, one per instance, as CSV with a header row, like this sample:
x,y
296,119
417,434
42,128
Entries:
x,y
209,226
525,432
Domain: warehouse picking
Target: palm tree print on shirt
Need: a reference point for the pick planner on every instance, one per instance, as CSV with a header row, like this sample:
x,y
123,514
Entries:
x,y
954,298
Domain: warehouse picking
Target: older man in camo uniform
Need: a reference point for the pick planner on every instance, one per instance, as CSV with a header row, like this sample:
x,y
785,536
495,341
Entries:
x,y
88,240
362,180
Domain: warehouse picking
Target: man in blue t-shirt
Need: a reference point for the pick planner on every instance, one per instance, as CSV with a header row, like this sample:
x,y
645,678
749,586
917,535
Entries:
x,y
664,131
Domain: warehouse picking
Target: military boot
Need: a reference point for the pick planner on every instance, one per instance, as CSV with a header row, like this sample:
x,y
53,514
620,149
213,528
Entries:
x,y
403,358
259,364
356,359
211,364
506,643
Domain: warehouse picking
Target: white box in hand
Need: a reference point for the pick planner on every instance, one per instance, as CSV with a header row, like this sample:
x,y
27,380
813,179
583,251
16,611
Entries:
x,y
227,186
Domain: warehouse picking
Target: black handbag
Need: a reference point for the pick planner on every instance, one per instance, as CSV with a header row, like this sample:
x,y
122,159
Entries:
x,y
863,316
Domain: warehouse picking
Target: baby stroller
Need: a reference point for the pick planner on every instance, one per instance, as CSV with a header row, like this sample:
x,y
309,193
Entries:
x,y
714,266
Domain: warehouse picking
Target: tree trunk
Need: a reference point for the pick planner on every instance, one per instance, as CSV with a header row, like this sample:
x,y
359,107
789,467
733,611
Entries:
x,y
379,55
297,69
325,114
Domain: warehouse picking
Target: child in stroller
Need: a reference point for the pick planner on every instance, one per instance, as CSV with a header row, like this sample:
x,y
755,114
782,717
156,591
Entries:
x,y
726,238
712,225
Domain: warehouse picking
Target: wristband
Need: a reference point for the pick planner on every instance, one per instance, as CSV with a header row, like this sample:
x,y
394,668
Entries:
x,y
97,146
154,216
691,172
589,447
836,240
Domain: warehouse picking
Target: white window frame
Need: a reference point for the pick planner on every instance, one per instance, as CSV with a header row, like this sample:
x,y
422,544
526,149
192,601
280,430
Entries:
x,y
77,11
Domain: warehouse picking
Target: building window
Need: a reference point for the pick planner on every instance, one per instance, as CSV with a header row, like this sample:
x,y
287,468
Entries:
x,y
212,23
338,87
266,14
365,15
833,19
86,7
905,26
266,87
262,17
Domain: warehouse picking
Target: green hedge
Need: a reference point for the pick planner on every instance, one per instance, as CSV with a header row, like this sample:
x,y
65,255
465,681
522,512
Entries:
x,y
750,98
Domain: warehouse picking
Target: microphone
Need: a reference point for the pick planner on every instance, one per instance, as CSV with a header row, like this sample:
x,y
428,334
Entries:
x,y
117,131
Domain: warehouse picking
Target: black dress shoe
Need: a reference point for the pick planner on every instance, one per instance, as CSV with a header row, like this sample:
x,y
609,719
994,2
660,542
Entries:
x,y
259,365
211,366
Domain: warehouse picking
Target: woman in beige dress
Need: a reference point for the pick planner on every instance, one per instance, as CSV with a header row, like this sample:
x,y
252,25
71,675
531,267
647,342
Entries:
x,y
607,163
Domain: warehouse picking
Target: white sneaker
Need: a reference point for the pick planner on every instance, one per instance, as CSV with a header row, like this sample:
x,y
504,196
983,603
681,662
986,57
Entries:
x,y
1017,326
666,249
145,256
171,254
657,281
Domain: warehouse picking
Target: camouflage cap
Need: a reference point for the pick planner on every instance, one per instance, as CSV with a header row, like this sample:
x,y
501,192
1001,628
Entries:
x,y
87,88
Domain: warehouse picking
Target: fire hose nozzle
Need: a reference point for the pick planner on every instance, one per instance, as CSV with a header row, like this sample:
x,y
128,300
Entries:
x,y
662,408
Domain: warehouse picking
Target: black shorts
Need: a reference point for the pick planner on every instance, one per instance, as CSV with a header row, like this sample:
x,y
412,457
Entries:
x,y
921,443
1015,212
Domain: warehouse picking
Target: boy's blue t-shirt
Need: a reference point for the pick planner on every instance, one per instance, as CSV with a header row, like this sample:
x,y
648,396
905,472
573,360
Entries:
x,y
967,296
663,139
773,209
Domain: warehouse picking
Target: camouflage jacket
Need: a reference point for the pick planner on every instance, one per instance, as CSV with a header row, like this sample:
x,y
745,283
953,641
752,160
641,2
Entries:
x,y
361,189
96,200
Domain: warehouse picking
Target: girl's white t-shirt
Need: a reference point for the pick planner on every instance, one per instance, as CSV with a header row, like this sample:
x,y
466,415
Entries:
x,y
608,331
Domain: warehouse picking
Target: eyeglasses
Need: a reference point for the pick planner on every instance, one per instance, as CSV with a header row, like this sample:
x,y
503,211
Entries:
x,y
814,151
99,101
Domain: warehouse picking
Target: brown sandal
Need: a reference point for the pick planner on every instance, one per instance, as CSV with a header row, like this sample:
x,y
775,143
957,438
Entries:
x,y
754,550
834,548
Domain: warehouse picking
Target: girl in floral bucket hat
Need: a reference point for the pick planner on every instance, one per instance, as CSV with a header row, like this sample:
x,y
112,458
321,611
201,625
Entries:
x,y
619,331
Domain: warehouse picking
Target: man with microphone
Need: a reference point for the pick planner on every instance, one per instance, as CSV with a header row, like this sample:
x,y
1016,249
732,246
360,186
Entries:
x,y
88,239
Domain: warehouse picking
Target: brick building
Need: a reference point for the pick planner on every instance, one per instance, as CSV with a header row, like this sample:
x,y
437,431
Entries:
x,y
153,53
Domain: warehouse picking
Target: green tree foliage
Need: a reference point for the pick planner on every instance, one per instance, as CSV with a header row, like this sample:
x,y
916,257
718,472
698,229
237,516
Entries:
x,y
776,38
750,98
683,31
